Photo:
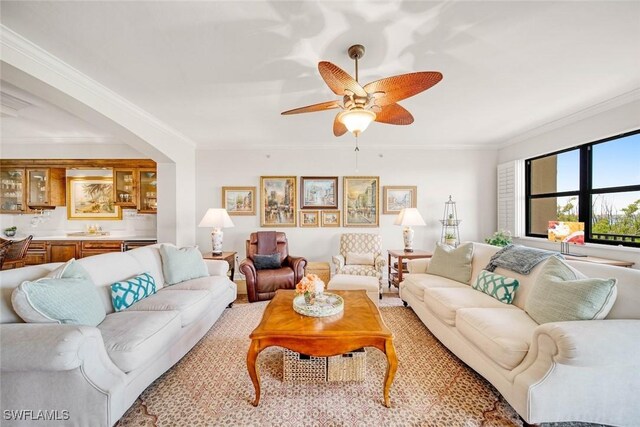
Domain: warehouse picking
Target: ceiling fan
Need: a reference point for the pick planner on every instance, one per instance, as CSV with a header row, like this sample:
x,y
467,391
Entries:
x,y
375,101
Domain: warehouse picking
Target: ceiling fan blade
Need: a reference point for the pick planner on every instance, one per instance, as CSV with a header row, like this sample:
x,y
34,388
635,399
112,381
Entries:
x,y
400,87
311,108
394,114
338,128
339,80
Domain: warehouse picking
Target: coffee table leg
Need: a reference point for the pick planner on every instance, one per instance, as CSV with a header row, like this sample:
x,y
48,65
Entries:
x,y
252,357
392,365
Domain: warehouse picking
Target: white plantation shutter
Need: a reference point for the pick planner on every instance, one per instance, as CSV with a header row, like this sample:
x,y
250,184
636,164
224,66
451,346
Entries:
x,y
511,197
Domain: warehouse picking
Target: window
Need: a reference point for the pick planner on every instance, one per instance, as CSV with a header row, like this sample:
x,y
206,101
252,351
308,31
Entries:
x,y
596,183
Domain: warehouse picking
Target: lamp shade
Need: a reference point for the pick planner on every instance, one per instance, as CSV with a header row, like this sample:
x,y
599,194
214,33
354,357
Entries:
x,y
357,119
216,218
409,217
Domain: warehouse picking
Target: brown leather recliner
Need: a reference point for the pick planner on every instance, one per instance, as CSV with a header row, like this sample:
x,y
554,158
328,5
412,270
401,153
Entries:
x,y
262,284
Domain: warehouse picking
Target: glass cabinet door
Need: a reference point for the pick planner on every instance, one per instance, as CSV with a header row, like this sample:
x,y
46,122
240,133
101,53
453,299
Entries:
x,y
11,190
38,188
124,184
148,196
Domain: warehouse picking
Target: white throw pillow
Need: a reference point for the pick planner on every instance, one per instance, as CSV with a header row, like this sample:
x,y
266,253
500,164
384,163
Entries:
x,y
180,264
354,258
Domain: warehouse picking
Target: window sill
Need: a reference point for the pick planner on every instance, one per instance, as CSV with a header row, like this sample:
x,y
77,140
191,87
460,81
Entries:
x,y
556,246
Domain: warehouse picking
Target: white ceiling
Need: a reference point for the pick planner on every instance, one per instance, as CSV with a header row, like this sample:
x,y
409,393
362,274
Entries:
x,y
221,72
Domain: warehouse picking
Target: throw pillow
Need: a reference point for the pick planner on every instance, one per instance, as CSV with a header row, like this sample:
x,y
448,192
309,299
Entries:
x,y
70,300
497,286
354,258
127,292
180,264
267,262
452,263
561,293
69,270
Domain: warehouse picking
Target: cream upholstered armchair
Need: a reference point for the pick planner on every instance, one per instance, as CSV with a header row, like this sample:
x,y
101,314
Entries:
x,y
360,255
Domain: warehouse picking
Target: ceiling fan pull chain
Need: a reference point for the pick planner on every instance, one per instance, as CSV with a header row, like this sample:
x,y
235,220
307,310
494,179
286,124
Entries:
x,y
357,150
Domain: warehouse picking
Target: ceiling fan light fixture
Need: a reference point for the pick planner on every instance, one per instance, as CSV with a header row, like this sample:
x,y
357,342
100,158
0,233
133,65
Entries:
x,y
356,120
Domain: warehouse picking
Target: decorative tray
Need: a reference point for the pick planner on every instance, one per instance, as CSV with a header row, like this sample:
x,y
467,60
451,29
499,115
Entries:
x,y
326,304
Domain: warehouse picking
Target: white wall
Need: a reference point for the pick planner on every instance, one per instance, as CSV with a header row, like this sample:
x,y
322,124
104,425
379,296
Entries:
x,y
469,176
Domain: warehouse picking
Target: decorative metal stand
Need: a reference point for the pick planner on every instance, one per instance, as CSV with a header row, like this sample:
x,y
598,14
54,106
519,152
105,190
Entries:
x,y
450,224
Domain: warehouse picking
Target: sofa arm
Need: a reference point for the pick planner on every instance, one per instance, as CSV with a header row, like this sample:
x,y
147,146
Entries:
x,y
416,266
338,261
380,263
298,265
592,342
217,267
248,269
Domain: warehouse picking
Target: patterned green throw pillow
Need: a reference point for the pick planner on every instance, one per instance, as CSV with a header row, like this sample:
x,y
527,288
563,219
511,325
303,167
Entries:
x,y
127,292
497,286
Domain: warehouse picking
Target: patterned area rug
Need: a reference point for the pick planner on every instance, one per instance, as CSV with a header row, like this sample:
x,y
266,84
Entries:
x,y
210,385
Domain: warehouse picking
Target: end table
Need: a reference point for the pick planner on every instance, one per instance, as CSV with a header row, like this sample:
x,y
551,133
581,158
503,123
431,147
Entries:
x,y
395,272
230,257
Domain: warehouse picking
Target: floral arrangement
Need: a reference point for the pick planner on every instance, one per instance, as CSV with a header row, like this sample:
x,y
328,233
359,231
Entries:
x,y
499,238
310,286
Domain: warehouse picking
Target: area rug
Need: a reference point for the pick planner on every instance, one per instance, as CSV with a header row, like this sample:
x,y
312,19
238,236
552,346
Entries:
x,y
210,385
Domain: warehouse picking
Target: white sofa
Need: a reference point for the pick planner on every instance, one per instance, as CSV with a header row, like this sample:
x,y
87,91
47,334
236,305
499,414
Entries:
x,y
96,373
566,371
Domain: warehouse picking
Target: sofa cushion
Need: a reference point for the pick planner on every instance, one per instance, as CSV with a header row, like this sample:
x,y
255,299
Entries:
x,y
444,302
149,258
357,258
190,304
452,263
127,292
180,264
504,336
133,338
217,285
496,286
359,270
417,283
561,293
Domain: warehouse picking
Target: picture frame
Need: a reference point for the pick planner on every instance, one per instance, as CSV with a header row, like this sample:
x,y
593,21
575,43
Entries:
x,y
398,197
239,201
91,198
330,218
361,201
318,192
278,201
309,218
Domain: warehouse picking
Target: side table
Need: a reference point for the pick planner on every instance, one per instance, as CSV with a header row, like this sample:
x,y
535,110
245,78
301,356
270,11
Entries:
x,y
230,257
395,272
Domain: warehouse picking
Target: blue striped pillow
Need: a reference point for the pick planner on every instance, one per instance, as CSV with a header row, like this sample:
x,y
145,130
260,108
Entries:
x,y
127,292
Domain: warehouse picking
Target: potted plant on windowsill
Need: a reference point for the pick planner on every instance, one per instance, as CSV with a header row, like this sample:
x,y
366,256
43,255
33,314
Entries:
x,y
450,239
500,238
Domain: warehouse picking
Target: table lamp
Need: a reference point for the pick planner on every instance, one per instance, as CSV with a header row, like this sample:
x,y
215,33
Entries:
x,y
218,219
408,217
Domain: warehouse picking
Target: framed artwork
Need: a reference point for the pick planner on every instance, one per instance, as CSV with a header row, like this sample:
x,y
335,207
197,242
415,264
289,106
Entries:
x,y
309,218
91,198
398,197
278,201
330,218
319,192
361,204
239,200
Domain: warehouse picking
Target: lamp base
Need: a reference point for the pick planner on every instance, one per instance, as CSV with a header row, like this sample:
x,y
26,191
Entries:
x,y
216,241
407,234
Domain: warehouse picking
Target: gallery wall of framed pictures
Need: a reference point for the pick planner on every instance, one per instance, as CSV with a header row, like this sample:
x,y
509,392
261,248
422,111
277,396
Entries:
x,y
277,199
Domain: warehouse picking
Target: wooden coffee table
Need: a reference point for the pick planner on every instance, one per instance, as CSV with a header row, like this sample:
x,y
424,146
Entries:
x,y
359,325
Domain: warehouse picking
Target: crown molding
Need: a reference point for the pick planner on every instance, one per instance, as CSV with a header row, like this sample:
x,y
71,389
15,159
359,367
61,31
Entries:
x,y
13,43
79,140
585,113
350,147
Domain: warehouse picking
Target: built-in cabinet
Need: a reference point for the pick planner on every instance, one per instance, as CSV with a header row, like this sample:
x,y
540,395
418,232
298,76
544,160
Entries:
x,y
12,190
125,187
148,191
46,251
27,190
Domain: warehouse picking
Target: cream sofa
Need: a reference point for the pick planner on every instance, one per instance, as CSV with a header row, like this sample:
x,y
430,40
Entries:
x,y
566,371
92,375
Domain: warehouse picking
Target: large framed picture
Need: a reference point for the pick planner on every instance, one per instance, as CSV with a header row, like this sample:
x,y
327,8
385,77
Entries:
x,y
319,192
361,201
239,200
309,218
91,198
330,218
278,201
396,198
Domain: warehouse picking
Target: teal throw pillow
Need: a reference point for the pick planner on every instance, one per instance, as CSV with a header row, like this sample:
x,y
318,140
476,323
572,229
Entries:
x,y
127,292
497,286
561,293
452,263
70,300
180,264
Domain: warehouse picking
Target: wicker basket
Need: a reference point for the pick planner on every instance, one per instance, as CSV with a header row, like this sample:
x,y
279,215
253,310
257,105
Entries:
x,y
347,367
302,368
320,269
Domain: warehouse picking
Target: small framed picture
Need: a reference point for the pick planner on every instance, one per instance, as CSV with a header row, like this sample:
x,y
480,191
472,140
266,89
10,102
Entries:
x,y
309,218
318,192
330,218
398,197
239,200
361,201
